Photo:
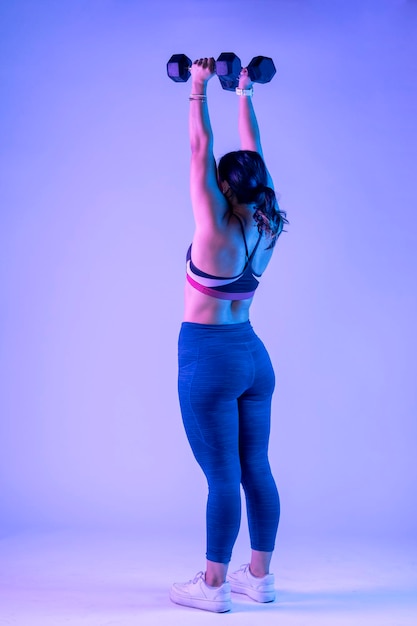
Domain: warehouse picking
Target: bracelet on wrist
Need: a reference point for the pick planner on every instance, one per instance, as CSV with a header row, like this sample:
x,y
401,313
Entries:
x,y
198,96
244,92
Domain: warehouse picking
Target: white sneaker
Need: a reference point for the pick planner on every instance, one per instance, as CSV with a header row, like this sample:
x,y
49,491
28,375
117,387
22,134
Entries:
x,y
259,589
197,594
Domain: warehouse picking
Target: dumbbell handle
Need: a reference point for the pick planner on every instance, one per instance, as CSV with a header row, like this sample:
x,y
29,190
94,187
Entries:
x,y
194,62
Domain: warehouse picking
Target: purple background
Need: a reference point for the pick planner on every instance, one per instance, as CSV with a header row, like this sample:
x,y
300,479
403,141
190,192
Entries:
x,y
95,221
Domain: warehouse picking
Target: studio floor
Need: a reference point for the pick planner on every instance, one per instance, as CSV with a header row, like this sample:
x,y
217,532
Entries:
x,y
121,579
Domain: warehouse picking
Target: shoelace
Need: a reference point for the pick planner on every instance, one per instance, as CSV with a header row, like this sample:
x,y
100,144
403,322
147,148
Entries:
x,y
197,577
244,567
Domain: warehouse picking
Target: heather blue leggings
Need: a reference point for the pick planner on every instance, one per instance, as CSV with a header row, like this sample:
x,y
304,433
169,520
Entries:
x,y
225,387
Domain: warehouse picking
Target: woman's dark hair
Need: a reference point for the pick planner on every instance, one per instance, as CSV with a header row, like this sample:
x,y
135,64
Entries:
x,y
247,176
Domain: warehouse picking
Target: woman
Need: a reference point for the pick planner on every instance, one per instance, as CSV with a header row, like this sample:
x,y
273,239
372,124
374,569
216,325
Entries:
x,y
226,378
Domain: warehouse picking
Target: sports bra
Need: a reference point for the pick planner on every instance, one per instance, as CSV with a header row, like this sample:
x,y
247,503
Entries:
x,y
240,287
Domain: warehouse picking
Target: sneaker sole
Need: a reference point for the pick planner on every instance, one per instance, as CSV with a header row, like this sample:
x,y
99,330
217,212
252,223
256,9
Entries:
x,y
259,596
215,606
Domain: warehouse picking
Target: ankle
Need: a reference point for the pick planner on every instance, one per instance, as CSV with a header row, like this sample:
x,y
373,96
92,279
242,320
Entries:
x,y
212,581
257,572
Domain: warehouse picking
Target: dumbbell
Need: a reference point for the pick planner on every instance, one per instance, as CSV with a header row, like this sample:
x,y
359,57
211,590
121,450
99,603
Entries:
x,y
228,67
260,70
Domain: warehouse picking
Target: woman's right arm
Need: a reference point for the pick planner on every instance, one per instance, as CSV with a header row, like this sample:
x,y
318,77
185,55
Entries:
x,y
250,137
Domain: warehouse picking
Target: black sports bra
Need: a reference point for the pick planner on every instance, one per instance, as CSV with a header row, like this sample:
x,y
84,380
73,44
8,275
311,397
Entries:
x,y
240,287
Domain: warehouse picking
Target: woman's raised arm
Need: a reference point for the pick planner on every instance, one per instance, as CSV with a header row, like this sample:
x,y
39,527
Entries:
x,y
209,204
250,137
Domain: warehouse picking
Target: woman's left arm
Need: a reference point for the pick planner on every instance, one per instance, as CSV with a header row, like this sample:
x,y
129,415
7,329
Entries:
x,y
209,204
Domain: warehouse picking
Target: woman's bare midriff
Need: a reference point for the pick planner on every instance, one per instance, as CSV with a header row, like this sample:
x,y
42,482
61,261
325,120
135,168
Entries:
x,y
202,309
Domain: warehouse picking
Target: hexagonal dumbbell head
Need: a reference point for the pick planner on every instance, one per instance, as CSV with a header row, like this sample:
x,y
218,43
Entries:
x,y
261,69
228,68
178,68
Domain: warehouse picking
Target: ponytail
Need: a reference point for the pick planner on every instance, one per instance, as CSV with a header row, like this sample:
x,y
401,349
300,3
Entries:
x,y
268,216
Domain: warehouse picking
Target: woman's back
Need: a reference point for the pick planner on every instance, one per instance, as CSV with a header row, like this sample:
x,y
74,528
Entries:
x,y
237,252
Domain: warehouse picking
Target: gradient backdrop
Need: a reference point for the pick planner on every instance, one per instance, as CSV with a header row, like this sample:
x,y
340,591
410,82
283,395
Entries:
x,y
95,220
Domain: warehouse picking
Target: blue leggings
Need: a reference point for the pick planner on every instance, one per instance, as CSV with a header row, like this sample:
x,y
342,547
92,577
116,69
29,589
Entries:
x,y
225,387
